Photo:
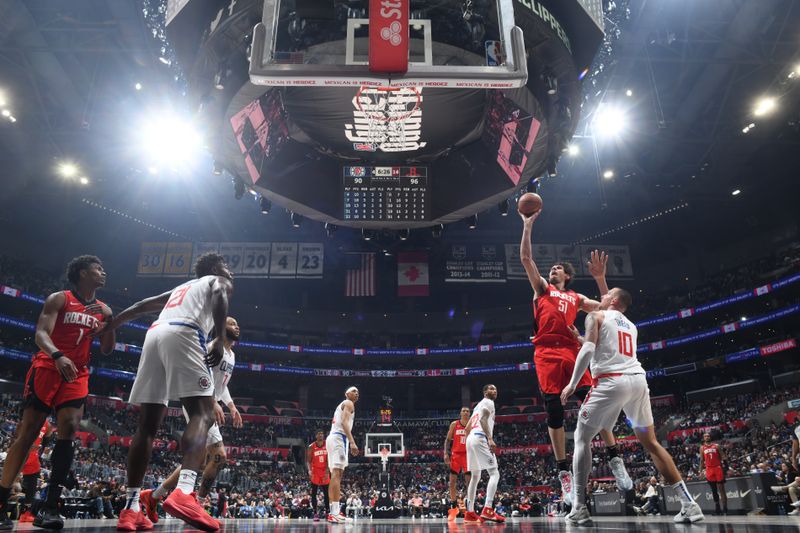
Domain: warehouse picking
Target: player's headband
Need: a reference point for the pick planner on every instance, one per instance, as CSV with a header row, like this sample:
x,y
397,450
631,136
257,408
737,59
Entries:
x,y
351,389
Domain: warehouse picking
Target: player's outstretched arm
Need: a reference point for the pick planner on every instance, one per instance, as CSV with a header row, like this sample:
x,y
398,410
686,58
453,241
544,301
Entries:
x,y
450,433
597,268
593,322
154,304
538,284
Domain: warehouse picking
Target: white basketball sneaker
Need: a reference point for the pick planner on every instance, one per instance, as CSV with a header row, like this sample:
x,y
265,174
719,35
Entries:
x,y
690,512
624,481
579,516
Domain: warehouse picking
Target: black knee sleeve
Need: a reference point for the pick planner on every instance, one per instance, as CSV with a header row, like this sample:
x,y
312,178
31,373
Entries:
x,y
61,459
555,411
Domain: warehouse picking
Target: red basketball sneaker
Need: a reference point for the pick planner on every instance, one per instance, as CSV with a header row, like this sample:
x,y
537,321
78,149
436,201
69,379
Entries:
x,y
488,515
470,517
186,507
149,505
27,516
130,520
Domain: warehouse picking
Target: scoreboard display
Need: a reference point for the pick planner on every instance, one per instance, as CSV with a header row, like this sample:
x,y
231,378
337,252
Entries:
x,y
386,193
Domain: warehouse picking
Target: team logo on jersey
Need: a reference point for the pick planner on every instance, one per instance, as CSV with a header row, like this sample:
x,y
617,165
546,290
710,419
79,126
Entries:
x,y
585,414
204,382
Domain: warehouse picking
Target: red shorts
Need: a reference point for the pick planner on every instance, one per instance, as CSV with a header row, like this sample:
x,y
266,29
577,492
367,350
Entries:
x,y
46,390
714,474
32,465
320,478
458,463
554,366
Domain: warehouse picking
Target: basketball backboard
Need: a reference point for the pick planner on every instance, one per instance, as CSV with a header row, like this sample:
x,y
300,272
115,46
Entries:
x,y
376,442
400,43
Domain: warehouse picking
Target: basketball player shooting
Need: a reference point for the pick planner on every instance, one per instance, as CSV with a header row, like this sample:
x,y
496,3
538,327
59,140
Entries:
x,y
58,380
620,385
456,458
555,309
175,366
339,441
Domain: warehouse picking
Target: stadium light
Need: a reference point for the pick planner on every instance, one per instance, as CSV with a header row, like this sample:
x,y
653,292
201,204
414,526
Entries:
x,y
84,180
68,170
736,192
6,113
629,93
170,140
2,99
764,106
472,222
608,174
573,150
609,121
265,205
12,118
138,86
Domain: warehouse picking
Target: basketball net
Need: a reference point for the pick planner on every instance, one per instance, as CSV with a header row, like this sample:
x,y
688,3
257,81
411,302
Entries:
x,y
387,111
384,457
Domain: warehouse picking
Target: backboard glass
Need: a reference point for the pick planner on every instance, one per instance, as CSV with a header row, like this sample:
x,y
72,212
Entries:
x,y
375,442
452,43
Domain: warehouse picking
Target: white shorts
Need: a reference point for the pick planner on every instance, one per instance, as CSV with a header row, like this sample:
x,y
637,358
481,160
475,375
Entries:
x,y
628,392
338,450
479,455
214,435
172,366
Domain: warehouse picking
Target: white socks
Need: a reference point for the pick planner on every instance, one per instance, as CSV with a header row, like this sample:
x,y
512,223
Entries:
x,y
683,492
160,492
187,480
335,508
132,500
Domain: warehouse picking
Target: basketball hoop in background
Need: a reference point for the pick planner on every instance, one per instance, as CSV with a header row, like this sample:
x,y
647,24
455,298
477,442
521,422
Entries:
x,y
384,456
388,112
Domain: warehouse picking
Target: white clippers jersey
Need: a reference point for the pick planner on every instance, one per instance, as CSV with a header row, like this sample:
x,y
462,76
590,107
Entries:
x,y
338,417
191,303
222,375
475,420
615,352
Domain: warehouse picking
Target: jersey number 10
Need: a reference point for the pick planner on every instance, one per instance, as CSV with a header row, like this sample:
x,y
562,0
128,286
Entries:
x,y
625,343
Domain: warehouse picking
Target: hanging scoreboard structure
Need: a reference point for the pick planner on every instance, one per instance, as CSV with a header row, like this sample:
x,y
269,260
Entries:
x,y
385,193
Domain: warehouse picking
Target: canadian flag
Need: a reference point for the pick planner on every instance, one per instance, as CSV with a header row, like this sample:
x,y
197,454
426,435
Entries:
x,y
412,274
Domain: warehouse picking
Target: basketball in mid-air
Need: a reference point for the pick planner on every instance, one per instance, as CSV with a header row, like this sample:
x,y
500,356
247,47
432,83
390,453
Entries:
x,y
529,203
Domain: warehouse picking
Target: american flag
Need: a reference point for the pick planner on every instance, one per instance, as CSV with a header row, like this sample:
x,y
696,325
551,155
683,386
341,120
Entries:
x,y
360,278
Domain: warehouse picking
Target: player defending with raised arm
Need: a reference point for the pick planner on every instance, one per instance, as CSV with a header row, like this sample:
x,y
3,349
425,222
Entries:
x,y
175,366
58,380
456,458
317,462
620,385
713,459
480,457
555,309
215,448
339,440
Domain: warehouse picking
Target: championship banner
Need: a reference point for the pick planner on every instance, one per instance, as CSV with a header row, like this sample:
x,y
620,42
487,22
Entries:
x,y
412,274
151,259
475,263
619,260
546,255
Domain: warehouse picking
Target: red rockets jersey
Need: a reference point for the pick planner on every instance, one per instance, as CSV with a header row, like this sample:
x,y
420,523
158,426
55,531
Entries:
x,y
319,457
459,439
74,323
711,455
554,311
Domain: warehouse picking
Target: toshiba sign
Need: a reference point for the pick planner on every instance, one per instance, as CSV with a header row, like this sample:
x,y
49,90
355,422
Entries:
x,y
388,35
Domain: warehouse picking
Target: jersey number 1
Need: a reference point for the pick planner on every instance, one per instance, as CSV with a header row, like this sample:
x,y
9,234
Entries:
x,y
625,343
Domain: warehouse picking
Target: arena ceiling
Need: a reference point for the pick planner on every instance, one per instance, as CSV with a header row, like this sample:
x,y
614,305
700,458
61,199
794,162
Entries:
x,y
68,71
